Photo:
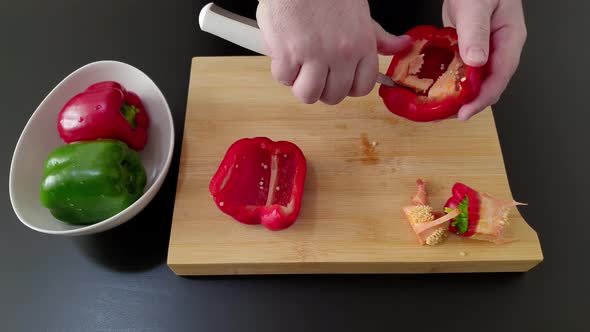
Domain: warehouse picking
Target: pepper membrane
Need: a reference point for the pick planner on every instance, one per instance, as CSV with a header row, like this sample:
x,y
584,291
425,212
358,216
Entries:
x,y
432,82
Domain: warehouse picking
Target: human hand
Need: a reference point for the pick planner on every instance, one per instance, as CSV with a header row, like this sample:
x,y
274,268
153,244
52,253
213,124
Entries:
x,y
488,29
325,50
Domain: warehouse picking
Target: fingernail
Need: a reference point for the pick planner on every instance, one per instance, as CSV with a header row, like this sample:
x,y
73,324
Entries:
x,y
476,55
285,83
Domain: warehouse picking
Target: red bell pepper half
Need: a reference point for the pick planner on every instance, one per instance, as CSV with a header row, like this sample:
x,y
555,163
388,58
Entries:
x,y
481,216
432,82
104,110
260,181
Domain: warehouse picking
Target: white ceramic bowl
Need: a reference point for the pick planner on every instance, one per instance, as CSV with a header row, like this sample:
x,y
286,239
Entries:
x,y
40,137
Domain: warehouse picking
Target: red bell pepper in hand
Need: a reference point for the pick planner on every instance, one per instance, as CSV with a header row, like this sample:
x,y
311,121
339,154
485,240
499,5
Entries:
x,y
481,216
260,181
432,82
104,110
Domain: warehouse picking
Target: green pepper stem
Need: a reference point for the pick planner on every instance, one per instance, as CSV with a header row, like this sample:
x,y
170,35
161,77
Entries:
x,y
129,112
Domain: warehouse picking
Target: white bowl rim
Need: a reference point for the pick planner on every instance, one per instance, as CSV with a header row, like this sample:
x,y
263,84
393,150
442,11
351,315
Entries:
x,y
87,229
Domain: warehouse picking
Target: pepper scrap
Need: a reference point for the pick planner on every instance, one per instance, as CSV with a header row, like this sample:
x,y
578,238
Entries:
x,y
432,82
260,181
105,110
430,227
482,216
87,182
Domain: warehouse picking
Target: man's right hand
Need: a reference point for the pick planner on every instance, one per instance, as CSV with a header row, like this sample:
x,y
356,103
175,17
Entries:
x,y
326,50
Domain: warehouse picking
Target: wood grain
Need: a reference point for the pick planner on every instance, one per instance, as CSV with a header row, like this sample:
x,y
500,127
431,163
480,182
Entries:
x,y
351,219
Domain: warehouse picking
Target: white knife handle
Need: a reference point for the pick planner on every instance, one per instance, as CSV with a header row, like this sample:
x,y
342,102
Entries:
x,y
243,31
231,27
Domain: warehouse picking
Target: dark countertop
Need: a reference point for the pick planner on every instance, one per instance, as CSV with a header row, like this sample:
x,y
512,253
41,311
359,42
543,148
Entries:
x,y
119,281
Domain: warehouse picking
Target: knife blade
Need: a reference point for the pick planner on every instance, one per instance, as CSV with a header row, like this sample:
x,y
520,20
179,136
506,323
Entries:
x,y
244,32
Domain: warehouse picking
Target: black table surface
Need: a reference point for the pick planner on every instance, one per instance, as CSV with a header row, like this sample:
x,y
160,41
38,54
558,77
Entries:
x,y
119,280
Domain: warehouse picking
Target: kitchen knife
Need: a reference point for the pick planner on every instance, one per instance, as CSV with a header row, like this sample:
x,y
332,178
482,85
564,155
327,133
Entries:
x,y
243,31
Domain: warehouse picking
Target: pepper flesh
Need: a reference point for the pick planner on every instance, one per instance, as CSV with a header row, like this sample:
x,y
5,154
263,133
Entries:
x,y
87,182
432,82
260,181
105,110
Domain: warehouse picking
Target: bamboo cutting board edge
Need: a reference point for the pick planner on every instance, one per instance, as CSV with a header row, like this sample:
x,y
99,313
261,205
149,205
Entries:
x,y
181,256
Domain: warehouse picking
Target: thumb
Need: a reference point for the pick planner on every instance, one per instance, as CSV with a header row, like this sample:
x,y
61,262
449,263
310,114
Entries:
x,y
472,20
388,44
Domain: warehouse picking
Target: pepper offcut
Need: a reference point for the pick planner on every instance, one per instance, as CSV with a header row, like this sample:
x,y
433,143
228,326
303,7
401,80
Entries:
x,y
480,215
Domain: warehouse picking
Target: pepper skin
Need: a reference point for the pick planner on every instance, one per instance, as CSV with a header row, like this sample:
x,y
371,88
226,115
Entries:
x,y
104,110
461,192
87,182
260,181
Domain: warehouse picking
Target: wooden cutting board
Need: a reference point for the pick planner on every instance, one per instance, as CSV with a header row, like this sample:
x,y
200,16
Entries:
x,y
351,220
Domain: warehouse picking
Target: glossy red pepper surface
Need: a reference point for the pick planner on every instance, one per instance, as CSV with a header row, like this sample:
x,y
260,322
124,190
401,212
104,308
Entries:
x,y
432,82
104,110
460,192
260,181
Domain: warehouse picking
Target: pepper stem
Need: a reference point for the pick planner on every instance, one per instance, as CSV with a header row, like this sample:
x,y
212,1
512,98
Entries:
x,y
129,112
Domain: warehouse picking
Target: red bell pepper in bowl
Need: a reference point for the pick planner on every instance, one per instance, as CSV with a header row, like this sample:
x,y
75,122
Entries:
x,y
260,181
432,82
105,110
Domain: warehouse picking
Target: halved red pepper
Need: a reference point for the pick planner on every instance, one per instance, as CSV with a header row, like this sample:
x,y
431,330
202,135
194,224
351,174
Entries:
x,y
104,110
260,181
432,82
481,216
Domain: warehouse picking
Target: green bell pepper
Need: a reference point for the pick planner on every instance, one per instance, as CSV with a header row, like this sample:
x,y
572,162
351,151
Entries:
x,y
88,181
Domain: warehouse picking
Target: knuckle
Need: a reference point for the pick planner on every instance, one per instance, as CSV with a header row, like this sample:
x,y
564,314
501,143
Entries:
x,y
347,49
295,49
332,97
361,90
307,100
336,100
329,101
278,62
365,90
300,46
278,73
306,96
284,69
